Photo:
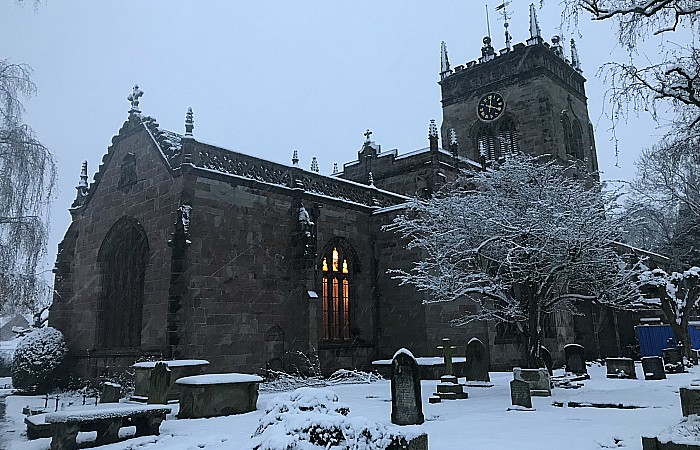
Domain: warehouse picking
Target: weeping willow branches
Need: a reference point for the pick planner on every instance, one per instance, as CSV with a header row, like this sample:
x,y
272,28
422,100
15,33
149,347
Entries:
x,y
27,182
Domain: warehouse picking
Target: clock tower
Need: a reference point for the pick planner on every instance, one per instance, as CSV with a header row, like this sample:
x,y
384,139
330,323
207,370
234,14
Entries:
x,y
530,99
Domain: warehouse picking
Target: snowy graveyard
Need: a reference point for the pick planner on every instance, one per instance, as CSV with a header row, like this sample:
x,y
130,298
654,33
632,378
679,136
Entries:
x,y
483,421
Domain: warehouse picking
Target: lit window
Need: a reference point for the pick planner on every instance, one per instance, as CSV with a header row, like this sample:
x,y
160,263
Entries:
x,y
337,294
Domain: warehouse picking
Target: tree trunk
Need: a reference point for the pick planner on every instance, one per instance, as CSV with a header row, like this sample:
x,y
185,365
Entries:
x,y
680,332
534,335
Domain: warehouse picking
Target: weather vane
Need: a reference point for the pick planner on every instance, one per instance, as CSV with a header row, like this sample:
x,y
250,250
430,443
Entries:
x,y
506,17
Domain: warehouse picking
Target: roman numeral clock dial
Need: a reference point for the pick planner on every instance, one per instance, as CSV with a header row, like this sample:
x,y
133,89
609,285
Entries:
x,y
490,107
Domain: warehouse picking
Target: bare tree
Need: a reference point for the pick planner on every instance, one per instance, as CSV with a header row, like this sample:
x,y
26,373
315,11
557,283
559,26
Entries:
x,y
638,84
667,191
27,181
522,241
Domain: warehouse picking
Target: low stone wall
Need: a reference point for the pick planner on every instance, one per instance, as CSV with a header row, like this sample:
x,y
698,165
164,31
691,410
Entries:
x,y
429,369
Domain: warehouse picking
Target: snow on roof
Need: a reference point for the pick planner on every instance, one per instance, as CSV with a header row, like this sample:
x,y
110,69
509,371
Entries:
x,y
103,411
391,208
219,378
173,363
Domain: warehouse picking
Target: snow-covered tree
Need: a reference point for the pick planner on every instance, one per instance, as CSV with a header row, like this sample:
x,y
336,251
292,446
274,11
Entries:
x,y
522,241
38,359
27,179
677,294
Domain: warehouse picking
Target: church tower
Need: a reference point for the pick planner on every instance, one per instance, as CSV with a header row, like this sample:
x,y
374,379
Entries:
x,y
530,98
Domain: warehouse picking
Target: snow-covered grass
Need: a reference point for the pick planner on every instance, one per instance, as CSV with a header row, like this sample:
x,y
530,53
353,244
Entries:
x,y
480,422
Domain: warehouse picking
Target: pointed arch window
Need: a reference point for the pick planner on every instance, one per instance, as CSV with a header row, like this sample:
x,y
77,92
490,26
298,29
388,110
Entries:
x,y
566,125
577,140
337,271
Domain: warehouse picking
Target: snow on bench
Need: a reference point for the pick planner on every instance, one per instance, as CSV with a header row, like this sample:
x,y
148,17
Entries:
x,y
106,420
219,378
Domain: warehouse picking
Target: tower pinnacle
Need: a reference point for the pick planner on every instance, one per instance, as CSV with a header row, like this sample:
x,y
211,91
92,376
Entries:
x,y
575,61
535,33
445,70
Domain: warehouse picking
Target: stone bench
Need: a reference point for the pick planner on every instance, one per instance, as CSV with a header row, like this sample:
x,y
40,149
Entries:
x,y
179,368
106,420
214,395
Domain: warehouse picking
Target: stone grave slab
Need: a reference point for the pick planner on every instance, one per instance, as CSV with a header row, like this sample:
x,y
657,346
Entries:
x,y
690,400
620,368
406,403
538,380
673,360
575,356
111,392
653,368
477,361
520,394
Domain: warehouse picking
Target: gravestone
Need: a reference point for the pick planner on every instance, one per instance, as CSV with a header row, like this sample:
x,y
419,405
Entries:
x,y
673,361
690,400
111,392
447,357
547,359
620,368
406,404
448,388
520,394
159,384
538,380
653,367
477,361
575,356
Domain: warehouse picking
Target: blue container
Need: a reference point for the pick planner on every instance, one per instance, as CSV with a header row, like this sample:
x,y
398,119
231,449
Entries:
x,y
653,338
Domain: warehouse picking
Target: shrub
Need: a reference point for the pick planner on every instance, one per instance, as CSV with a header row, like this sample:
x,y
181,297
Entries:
x,y
38,360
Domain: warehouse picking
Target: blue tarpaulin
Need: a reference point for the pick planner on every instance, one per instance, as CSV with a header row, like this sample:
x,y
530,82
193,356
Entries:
x,y
653,338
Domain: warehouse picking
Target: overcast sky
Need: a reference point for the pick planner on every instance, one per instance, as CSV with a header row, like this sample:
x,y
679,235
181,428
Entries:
x,y
265,78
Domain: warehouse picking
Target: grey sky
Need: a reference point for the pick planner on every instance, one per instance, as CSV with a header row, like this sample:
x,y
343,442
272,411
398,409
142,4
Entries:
x,y
265,77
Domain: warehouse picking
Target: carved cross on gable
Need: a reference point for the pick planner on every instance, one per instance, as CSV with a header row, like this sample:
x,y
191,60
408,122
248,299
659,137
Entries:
x,y
134,98
367,135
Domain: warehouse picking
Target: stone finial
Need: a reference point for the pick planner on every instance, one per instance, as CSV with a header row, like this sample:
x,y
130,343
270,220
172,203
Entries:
x,y
575,61
534,24
189,122
295,158
556,46
432,129
335,167
83,183
445,70
314,165
487,51
370,179
453,137
367,135
134,99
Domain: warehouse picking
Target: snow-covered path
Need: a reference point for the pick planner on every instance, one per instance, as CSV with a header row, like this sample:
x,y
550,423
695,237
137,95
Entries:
x,y
480,422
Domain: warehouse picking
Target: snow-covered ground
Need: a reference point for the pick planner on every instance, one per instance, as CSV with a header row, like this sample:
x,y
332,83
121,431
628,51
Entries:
x,y
480,422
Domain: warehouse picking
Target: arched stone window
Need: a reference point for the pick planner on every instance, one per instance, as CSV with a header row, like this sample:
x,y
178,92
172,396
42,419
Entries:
x,y
577,140
566,125
122,262
338,267
508,137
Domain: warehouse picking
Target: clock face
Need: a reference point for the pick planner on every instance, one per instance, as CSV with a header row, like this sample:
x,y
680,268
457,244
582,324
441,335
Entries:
x,y
490,107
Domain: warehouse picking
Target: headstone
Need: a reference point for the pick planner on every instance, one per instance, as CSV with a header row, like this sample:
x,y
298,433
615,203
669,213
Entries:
x,y
673,360
620,368
690,400
406,404
477,361
520,394
538,379
575,356
111,393
447,356
547,359
159,384
653,367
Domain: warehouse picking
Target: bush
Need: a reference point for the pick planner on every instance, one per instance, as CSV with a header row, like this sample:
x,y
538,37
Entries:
x,y
38,360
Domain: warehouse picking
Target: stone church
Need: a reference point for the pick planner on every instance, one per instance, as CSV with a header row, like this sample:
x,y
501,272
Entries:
x,y
180,249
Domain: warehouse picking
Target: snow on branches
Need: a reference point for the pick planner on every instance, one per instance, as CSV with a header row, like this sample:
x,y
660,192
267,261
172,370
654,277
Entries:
x,y
678,291
521,241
